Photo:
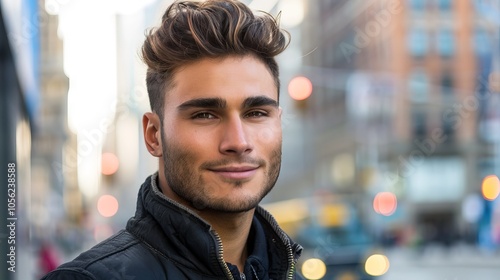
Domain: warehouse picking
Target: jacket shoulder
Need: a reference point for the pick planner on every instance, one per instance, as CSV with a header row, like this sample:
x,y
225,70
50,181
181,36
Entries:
x,y
75,273
122,256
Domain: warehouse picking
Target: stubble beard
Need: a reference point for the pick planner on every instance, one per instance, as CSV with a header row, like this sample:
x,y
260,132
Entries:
x,y
186,181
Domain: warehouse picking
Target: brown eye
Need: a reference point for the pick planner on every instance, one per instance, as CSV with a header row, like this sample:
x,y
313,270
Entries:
x,y
256,114
204,115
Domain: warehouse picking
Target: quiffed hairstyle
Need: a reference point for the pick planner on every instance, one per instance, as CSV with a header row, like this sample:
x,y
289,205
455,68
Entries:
x,y
191,31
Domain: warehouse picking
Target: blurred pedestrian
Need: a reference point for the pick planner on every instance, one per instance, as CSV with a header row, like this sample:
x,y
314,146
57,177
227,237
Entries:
x,y
48,259
215,127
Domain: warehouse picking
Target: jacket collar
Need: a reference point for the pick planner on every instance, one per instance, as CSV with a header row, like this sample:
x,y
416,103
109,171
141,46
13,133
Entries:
x,y
176,232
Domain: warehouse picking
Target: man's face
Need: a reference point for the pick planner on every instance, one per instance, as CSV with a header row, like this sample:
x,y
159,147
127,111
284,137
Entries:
x,y
221,134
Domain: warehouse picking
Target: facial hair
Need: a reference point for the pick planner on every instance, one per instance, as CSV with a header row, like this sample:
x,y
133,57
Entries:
x,y
186,180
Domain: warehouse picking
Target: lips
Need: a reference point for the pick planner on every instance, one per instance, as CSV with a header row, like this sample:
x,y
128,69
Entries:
x,y
236,172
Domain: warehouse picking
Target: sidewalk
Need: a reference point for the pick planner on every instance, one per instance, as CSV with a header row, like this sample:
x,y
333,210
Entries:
x,y
437,263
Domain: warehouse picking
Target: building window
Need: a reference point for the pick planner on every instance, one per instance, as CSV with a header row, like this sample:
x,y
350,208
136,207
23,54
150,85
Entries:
x,y
419,123
447,86
482,44
444,5
482,6
418,42
445,42
418,5
448,99
418,86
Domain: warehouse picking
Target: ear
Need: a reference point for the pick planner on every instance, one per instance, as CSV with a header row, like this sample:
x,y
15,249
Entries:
x,y
151,127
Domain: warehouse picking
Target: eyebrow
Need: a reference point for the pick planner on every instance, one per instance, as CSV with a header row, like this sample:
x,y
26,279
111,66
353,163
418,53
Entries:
x,y
257,101
216,103
219,103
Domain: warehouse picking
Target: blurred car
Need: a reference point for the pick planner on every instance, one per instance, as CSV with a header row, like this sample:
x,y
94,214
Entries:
x,y
343,250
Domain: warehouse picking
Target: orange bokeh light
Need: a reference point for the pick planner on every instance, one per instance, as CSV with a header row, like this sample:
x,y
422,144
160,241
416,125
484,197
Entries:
x,y
109,163
107,205
300,88
490,187
385,203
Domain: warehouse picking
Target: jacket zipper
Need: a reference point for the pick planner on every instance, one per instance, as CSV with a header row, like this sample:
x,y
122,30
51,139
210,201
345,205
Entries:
x,y
220,256
284,239
254,273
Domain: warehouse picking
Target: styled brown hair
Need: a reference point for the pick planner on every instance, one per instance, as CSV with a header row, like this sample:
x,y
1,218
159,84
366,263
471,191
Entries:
x,y
191,31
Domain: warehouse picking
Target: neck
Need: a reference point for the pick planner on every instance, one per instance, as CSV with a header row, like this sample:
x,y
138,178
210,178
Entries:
x,y
233,229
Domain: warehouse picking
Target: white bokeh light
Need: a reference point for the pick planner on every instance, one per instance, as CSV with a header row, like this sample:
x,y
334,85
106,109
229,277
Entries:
x,y
292,12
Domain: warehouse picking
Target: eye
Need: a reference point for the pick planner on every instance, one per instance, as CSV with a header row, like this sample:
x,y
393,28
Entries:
x,y
256,114
203,115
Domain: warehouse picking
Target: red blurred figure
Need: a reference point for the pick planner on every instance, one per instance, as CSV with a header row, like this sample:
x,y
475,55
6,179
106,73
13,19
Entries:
x,y
48,259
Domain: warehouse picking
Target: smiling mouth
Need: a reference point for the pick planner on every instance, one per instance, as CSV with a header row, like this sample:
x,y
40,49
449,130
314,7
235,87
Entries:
x,y
236,173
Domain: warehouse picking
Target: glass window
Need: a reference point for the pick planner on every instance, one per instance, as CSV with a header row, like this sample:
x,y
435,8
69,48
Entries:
x,y
445,42
481,6
418,41
482,44
418,5
447,99
447,85
418,86
419,123
444,5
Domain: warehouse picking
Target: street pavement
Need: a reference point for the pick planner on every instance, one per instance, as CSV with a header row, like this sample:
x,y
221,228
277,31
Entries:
x,y
438,263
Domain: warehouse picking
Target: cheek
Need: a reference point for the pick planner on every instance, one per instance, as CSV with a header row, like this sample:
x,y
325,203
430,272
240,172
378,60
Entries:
x,y
269,136
191,140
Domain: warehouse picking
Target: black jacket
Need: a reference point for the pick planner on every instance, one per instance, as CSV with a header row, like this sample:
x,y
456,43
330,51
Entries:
x,y
165,240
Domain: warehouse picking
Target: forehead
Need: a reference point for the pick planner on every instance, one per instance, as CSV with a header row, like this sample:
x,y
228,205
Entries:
x,y
231,78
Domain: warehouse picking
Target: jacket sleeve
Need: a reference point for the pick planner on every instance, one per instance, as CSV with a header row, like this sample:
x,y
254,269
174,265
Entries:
x,y
69,274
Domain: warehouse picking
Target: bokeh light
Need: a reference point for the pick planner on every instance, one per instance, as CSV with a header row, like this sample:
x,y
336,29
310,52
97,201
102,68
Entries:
x,y
313,269
109,164
490,187
293,12
377,265
107,205
385,203
300,88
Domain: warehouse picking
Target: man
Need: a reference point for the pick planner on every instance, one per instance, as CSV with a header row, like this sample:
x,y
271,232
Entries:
x,y
215,127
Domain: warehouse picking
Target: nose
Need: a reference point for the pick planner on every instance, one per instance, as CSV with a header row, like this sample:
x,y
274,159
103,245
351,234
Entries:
x,y
235,140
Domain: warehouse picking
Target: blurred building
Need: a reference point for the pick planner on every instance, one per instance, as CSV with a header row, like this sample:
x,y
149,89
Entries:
x,y
19,101
92,98
57,203
402,104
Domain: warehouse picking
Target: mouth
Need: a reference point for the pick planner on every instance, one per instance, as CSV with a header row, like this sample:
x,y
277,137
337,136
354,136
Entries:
x,y
236,172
